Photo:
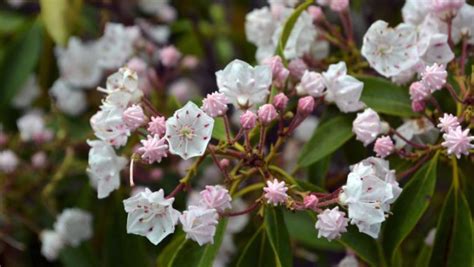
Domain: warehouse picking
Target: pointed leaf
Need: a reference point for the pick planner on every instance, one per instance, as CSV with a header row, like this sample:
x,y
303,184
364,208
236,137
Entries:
x,y
410,206
327,138
277,232
257,252
364,246
59,17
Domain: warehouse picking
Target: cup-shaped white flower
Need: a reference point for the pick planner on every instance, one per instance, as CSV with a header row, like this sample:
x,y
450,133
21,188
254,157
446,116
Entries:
x,y
367,126
216,197
109,126
390,50
74,225
150,214
189,131
199,223
116,45
245,86
370,189
331,223
104,167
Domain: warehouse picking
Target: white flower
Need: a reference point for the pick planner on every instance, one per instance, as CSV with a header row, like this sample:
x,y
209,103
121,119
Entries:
x,y
51,244
116,46
259,26
367,126
390,51
108,125
74,225
122,88
28,93
150,214
463,24
419,131
216,197
104,167
78,63
331,223
189,131
414,11
305,130
312,83
69,100
244,85
343,89
32,126
8,161
199,223
290,3
432,43
370,189
301,37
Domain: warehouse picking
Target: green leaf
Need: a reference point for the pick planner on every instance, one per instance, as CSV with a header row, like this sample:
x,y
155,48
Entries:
x,y
168,252
363,245
77,256
453,242
10,22
257,252
385,97
190,254
19,62
289,24
423,256
60,17
326,139
219,129
278,237
301,228
317,171
410,206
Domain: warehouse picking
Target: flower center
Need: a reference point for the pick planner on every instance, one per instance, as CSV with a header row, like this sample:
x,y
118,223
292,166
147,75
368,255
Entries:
x,y
384,49
186,132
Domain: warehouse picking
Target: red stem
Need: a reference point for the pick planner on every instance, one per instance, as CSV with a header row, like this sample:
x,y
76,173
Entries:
x,y
251,208
176,190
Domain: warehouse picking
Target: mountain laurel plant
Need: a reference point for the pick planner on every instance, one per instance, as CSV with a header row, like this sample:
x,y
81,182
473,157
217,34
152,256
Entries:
x,y
327,150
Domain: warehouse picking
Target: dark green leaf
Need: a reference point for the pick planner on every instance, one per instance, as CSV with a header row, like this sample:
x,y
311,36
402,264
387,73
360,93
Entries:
x,y
301,228
326,139
453,242
257,252
10,22
317,171
385,97
278,237
219,129
410,206
190,254
169,251
60,17
364,246
80,256
19,62
423,257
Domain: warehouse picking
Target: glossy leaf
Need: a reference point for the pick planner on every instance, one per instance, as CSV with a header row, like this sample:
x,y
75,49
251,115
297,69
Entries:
x,y
20,59
364,246
190,254
60,17
454,241
257,252
327,138
410,206
386,97
278,237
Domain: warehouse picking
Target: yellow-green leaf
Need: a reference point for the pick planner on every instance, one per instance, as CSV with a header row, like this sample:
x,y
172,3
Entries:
x,y
60,18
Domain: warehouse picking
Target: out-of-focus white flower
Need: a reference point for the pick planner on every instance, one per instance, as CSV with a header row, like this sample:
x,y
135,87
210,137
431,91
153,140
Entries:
x,y
244,85
39,160
199,223
419,131
331,223
51,244
348,261
319,49
8,161
104,167
69,100
32,127
189,131
122,88
414,11
116,46
259,26
74,225
236,224
150,214
289,3
343,89
184,90
390,51
306,129
28,93
430,237
78,63
370,189
367,126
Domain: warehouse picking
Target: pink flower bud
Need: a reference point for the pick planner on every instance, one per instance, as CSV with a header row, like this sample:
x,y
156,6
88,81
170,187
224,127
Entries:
x,y
418,106
267,113
434,77
8,161
275,192
305,105
3,138
224,163
458,141
280,101
134,117
447,122
153,149
316,13
216,197
39,160
215,104
279,72
157,125
383,146
310,202
248,120
338,5
418,91
190,62
169,56
331,223
297,68
137,64
156,174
